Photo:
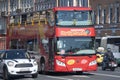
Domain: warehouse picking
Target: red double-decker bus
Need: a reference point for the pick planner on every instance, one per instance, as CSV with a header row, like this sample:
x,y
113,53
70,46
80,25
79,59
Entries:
x,y
62,39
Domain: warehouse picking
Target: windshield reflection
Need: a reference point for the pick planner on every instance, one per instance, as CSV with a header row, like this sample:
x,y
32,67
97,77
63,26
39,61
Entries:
x,y
17,55
75,46
73,18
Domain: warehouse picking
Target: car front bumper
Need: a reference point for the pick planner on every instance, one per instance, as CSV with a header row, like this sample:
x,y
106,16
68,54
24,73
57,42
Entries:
x,y
23,71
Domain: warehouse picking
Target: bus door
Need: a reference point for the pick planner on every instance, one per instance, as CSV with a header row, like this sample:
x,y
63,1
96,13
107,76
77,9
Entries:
x,y
51,53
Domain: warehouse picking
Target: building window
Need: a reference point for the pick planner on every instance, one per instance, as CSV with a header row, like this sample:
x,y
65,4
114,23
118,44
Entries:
x,y
82,3
118,15
117,12
104,16
98,14
111,15
61,3
94,17
85,3
65,2
70,2
108,16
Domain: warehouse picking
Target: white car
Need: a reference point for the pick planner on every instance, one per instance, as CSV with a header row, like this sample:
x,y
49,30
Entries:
x,y
17,62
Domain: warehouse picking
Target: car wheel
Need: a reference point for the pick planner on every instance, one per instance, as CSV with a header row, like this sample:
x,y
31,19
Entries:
x,y
6,76
35,75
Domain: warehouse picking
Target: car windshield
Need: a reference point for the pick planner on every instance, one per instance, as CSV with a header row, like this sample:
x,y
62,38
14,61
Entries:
x,y
76,45
16,54
73,18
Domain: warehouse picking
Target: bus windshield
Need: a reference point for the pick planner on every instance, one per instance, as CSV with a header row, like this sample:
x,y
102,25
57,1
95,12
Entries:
x,y
73,18
75,46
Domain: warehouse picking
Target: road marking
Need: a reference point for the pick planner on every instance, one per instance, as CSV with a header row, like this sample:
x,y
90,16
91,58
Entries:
x,y
59,78
25,79
106,75
80,76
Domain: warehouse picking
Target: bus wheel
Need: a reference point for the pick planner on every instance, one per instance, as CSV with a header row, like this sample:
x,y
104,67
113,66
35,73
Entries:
x,y
79,72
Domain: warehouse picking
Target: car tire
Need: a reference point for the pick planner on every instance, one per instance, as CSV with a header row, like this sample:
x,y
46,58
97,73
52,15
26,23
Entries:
x,y
35,75
6,75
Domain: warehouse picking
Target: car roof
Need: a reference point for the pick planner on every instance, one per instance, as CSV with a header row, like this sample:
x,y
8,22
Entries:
x,y
1,51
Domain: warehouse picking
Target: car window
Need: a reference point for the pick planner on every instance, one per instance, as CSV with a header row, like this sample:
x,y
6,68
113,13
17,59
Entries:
x,y
16,55
1,54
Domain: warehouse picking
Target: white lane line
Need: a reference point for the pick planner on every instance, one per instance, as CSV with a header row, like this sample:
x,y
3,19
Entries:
x,y
80,76
59,78
106,75
26,79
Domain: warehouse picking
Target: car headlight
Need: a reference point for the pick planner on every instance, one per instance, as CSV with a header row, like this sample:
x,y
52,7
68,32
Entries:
x,y
10,63
34,62
92,63
59,63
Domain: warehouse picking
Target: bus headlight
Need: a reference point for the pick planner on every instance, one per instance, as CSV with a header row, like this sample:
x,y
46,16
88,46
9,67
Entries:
x,y
92,63
59,63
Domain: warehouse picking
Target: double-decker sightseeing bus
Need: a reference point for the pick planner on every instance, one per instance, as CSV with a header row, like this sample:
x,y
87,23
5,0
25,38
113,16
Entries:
x,y
63,37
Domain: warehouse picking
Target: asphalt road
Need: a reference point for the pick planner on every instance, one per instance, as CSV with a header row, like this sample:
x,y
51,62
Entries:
x,y
94,75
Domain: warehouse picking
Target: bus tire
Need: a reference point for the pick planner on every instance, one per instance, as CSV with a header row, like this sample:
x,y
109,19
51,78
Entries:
x,y
42,66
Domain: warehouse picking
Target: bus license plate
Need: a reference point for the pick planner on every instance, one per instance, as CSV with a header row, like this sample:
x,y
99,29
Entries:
x,y
77,69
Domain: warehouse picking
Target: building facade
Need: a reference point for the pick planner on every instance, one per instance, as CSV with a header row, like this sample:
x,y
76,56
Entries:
x,y
106,13
11,7
107,17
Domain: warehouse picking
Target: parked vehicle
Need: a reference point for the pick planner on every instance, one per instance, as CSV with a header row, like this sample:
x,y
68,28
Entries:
x,y
17,62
